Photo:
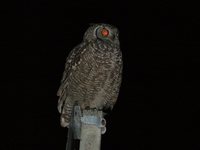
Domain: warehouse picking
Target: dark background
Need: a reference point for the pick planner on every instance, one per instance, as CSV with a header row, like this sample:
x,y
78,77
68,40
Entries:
x,y
159,98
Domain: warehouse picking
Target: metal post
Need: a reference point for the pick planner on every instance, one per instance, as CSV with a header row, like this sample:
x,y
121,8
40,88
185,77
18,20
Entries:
x,y
87,126
91,130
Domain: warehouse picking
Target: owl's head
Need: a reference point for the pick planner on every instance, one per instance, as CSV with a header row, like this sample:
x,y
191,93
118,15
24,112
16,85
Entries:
x,y
103,32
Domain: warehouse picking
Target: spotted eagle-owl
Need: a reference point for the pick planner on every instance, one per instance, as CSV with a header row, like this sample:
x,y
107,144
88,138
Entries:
x,y
93,72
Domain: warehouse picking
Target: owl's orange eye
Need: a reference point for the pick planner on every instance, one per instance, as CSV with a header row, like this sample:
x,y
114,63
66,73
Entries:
x,y
105,32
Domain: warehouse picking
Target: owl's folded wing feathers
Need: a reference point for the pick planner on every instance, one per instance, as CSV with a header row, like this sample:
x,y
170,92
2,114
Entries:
x,y
72,58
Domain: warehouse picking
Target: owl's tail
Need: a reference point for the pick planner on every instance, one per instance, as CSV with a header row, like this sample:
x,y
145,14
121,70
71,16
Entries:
x,y
66,113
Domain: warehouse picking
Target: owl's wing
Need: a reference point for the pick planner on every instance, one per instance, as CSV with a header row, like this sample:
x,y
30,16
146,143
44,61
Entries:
x,y
72,59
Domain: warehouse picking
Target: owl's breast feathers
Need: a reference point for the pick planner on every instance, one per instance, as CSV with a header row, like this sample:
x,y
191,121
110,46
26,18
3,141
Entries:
x,y
92,75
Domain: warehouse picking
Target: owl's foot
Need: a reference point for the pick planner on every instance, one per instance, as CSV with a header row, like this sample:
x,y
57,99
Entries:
x,y
94,109
87,108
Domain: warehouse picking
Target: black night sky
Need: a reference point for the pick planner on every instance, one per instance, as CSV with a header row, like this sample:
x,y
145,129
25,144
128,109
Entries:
x,y
159,98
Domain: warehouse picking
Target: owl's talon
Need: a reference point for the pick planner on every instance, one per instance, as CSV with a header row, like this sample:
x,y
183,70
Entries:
x,y
87,108
94,109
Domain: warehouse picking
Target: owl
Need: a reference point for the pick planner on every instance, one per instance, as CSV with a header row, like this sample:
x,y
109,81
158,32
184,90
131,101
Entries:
x,y
92,74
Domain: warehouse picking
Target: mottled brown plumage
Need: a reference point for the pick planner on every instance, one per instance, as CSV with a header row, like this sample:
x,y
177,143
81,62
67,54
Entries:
x,y
92,74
